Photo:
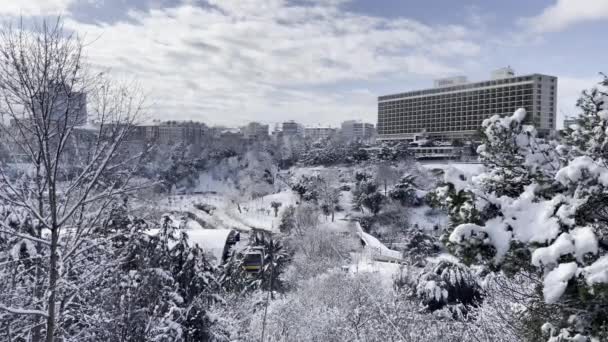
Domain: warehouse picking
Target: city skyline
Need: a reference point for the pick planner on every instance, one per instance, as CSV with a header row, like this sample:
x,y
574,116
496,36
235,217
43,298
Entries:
x,y
323,61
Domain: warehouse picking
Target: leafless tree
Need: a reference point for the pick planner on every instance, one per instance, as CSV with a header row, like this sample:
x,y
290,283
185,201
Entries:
x,y
329,194
71,173
386,175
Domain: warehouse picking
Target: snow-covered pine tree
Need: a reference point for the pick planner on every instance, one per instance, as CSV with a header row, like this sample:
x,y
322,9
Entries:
x,y
366,194
162,289
538,209
405,191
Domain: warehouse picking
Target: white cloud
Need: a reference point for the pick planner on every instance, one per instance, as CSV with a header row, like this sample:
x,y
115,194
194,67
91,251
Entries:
x,y
32,8
565,13
236,60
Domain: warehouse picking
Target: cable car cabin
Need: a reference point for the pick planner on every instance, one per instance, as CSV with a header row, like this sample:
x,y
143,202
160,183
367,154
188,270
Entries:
x,y
253,261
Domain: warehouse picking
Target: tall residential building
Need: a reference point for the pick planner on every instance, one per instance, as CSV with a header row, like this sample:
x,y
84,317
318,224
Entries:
x,y
357,130
456,109
64,106
316,133
255,130
291,129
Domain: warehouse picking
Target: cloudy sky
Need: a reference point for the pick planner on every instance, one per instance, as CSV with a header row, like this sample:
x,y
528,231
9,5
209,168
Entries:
x,y
324,61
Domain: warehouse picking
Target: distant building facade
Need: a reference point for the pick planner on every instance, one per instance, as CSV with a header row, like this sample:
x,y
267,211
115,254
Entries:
x,y
255,131
357,130
317,133
455,109
62,105
292,129
67,105
172,132
569,122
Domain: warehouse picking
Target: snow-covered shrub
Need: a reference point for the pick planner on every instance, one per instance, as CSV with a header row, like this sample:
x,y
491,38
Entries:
x,y
405,191
337,306
307,187
366,195
391,224
330,307
420,246
448,284
316,252
161,289
21,270
288,220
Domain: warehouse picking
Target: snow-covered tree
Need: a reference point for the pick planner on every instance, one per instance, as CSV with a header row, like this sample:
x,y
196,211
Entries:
x,y
538,207
386,175
275,206
405,191
162,289
71,174
450,285
367,195
307,187
288,220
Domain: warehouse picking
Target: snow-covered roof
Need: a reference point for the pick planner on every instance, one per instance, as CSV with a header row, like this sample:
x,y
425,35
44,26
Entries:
x,y
211,241
376,246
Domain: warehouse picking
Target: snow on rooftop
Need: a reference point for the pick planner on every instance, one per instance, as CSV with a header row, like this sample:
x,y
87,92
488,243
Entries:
x,y
211,241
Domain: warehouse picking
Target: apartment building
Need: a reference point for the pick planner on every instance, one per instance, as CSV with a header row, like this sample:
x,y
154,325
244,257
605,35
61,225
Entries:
x,y
357,130
172,132
255,130
292,129
317,133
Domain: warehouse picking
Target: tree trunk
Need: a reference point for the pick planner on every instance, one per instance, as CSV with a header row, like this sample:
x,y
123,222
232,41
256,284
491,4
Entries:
x,y
38,292
50,322
54,274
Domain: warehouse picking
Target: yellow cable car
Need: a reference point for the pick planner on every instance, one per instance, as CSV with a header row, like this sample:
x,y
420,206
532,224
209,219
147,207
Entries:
x,y
253,261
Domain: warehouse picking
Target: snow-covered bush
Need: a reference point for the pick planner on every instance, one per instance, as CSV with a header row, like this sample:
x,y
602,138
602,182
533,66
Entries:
x,y
420,246
448,284
405,191
367,195
308,187
316,252
288,220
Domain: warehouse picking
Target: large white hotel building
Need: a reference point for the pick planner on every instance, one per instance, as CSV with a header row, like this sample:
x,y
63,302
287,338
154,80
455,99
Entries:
x,y
455,108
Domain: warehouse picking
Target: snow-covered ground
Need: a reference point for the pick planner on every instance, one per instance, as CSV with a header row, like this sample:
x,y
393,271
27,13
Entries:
x,y
258,214
468,168
255,213
363,263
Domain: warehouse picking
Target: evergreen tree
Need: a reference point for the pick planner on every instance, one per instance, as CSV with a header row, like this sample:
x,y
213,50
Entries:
x,y
537,209
405,191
